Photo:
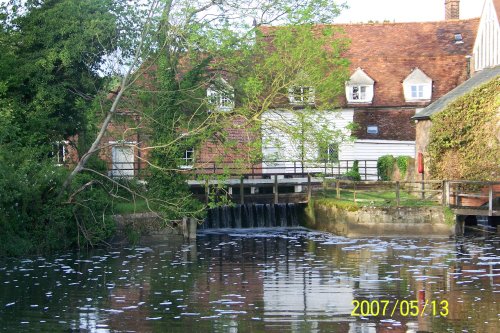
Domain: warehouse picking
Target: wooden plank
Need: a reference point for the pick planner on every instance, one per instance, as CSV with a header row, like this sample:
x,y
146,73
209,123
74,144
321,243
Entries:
x,y
475,211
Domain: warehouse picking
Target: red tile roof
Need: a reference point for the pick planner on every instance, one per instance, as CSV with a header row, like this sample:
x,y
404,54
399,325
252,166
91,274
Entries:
x,y
388,52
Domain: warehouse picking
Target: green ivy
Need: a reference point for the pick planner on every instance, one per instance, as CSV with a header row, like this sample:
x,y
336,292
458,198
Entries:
x,y
385,165
463,142
402,163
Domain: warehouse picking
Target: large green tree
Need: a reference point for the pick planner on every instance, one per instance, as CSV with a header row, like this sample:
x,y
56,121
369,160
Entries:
x,y
51,68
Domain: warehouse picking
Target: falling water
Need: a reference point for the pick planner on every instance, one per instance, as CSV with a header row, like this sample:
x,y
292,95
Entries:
x,y
253,216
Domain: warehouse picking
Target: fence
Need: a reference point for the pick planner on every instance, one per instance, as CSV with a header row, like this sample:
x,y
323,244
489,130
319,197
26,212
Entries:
x,y
265,169
464,197
386,193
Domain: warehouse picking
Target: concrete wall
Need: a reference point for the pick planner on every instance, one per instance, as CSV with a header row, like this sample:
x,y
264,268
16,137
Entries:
x,y
379,221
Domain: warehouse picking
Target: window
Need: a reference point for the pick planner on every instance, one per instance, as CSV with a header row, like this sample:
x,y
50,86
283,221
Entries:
x,y
59,152
221,96
372,129
358,93
417,87
458,38
359,88
301,95
329,153
417,91
187,160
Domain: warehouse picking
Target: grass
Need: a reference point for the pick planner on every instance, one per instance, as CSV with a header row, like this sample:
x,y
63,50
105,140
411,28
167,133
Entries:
x,y
378,198
130,207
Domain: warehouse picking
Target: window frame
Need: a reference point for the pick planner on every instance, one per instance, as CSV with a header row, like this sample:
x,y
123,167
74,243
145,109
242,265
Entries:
x,y
303,96
221,100
188,159
376,132
329,153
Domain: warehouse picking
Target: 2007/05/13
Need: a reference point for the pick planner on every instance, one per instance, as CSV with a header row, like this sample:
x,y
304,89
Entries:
x,y
406,308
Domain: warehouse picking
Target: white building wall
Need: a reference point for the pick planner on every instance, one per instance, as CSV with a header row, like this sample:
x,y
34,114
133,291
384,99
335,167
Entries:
x,y
282,155
487,45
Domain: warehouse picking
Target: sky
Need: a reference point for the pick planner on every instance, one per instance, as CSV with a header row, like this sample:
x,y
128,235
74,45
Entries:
x,y
404,10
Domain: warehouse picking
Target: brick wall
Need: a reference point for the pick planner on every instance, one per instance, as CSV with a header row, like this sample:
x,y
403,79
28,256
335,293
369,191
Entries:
x,y
393,124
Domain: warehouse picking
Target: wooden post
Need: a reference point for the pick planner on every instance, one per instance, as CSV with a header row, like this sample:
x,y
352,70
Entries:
x,y
276,189
309,188
458,198
443,198
242,191
490,200
337,188
447,200
397,194
207,191
423,186
324,186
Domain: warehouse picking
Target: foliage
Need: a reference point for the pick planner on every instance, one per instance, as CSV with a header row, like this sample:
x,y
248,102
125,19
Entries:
x,y
386,163
33,219
449,216
353,174
402,164
384,167
52,52
463,138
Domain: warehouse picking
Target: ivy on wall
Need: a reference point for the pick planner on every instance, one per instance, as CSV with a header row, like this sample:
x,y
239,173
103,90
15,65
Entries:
x,y
464,141
386,163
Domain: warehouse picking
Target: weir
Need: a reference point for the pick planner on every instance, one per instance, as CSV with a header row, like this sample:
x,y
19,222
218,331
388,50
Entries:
x,y
253,216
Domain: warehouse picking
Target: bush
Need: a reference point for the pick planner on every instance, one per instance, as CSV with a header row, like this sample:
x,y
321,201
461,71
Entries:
x,y
385,164
33,219
353,174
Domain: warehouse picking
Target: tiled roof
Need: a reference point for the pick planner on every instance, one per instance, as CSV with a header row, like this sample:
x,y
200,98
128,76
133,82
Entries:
x,y
388,52
478,79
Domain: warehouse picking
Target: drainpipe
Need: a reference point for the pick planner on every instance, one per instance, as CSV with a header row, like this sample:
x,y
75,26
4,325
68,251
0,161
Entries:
x,y
468,69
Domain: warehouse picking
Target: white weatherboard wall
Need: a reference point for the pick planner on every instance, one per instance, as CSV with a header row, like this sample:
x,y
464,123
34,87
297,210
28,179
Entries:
x,y
487,44
279,146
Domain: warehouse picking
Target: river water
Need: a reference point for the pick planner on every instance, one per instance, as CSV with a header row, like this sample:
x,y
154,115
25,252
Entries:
x,y
259,281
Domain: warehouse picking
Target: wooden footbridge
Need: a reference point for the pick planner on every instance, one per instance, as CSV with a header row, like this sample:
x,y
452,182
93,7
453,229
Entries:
x,y
462,197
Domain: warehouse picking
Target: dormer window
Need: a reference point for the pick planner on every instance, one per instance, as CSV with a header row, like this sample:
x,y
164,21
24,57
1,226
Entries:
x,y
459,39
359,88
301,95
221,96
417,87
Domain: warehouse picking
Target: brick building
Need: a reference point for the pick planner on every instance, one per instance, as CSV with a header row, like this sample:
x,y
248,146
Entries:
x,y
396,69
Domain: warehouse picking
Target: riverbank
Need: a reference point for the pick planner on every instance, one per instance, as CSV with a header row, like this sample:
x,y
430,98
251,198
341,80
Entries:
x,y
352,220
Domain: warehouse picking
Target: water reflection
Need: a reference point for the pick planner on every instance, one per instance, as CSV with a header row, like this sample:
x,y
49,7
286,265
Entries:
x,y
255,280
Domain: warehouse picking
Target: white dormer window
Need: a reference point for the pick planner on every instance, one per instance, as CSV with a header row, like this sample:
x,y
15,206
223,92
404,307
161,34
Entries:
x,y
301,95
417,87
221,96
359,88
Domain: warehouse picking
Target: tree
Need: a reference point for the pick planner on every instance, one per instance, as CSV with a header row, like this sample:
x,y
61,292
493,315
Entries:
x,y
193,43
50,72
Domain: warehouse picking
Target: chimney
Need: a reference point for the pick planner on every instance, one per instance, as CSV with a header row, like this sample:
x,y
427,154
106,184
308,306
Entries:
x,y
452,9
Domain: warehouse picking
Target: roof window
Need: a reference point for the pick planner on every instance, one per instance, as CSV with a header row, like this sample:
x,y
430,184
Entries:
x,y
458,38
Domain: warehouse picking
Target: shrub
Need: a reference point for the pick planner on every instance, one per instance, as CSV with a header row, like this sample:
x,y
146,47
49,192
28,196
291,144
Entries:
x,y
353,174
385,164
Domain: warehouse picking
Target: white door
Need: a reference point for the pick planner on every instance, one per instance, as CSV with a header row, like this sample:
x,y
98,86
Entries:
x,y
123,161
